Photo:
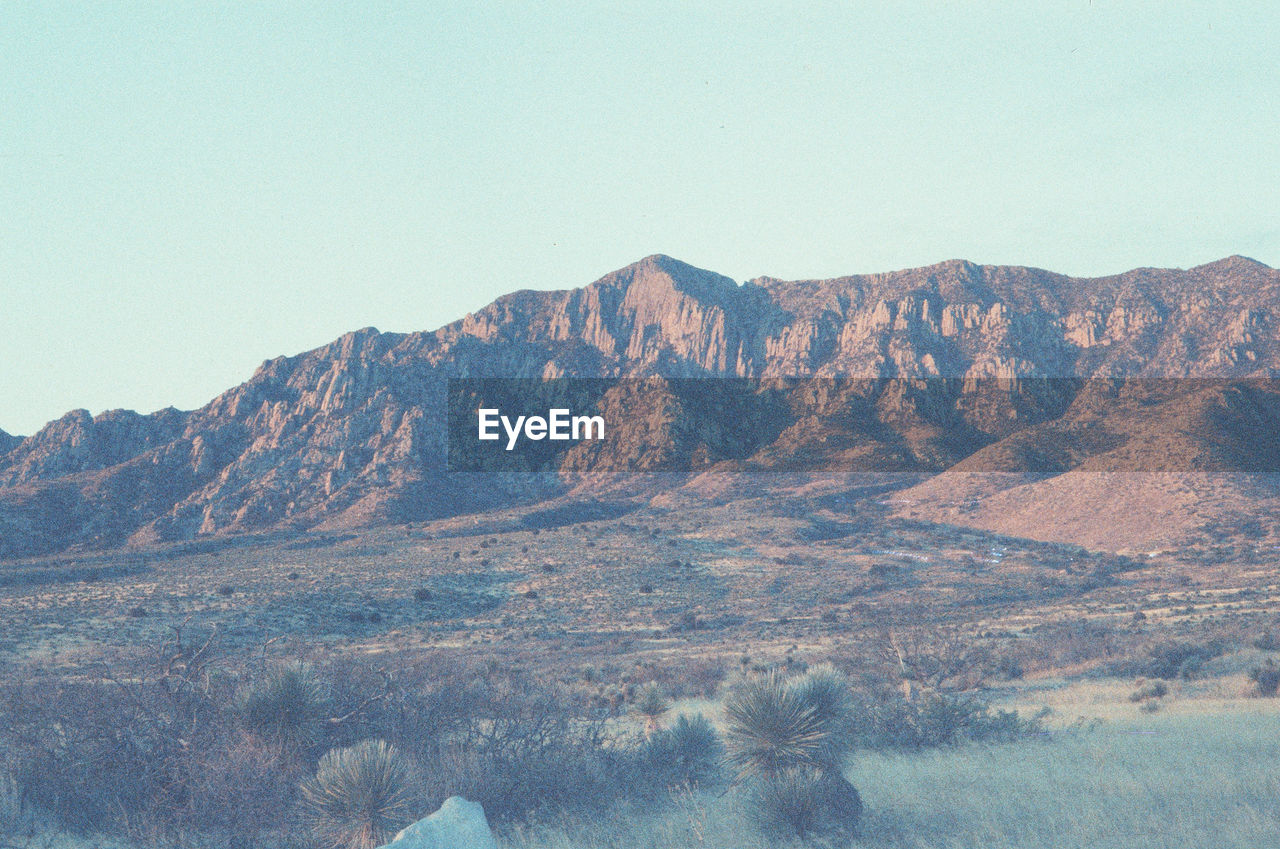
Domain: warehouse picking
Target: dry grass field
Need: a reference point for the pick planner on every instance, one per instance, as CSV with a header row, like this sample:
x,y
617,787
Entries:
x,y
1199,781
597,603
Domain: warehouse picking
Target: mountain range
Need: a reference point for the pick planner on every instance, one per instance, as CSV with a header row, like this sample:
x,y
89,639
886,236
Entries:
x,y
353,434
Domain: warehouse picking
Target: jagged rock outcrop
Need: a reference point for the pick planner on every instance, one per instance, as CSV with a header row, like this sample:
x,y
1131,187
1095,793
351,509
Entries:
x,y
353,433
8,442
78,442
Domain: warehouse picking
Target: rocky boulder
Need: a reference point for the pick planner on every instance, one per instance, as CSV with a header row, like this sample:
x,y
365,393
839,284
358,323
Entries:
x,y
459,824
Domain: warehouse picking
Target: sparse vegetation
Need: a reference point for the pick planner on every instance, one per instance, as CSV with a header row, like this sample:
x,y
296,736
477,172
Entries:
x,y
687,753
1266,678
651,705
523,705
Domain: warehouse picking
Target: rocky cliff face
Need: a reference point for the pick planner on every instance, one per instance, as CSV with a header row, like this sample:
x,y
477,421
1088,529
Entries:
x,y
352,433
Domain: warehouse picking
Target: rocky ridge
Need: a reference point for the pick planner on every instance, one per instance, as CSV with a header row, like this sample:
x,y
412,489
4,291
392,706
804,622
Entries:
x,y
351,433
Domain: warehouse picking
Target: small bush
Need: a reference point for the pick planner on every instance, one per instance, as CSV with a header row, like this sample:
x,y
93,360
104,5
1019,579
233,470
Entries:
x,y
1267,641
1009,668
805,803
689,752
1148,691
688,621
1177,659
933,719
1266,678
650,705
787,805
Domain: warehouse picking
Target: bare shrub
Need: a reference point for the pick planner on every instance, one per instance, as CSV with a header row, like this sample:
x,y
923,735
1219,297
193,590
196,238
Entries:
x,y
1266,678
243,788
1149,690
100,752
936,658
514,744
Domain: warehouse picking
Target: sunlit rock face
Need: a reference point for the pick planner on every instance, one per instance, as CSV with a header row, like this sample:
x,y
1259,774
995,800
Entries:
x,y
352,433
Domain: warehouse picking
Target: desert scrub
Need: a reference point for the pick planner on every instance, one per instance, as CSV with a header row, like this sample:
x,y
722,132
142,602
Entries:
x,y
805,803
651,705
687,753
887,720
286,703
1149,690
360,796
1266,678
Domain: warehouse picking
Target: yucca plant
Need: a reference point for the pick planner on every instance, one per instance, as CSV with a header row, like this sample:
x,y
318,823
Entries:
x,y
826,690
772,727
360,797
651,705
286,703
788,737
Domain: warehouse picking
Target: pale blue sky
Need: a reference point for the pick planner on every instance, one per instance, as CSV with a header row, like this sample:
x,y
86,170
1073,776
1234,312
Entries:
x,y
187,190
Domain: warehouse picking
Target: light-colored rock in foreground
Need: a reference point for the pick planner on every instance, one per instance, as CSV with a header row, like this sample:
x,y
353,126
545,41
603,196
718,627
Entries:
x,y
459,824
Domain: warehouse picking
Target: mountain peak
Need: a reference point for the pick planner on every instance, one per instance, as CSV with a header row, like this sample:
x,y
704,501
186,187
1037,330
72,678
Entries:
x,y
1235,263
659,271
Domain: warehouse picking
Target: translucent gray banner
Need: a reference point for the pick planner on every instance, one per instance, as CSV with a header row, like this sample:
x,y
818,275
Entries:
x,y
1031,425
